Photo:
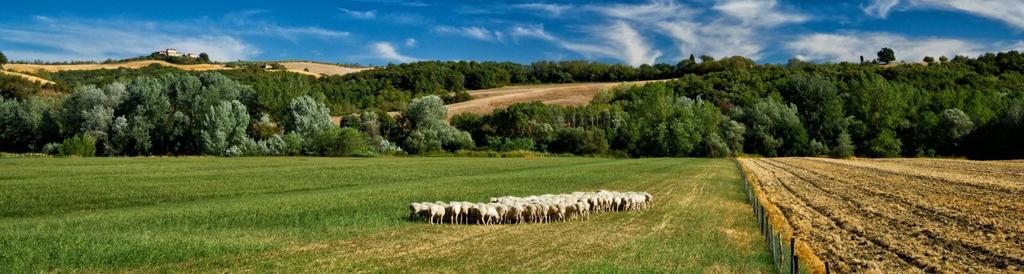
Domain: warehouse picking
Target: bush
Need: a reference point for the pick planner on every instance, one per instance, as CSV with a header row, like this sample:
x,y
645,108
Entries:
x,y
579,141
844,147
885,145
337,142
293,143
79,145
437,138
506,144
52,148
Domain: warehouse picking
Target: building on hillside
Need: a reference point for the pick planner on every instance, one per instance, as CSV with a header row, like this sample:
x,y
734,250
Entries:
x,y
170,52
192,55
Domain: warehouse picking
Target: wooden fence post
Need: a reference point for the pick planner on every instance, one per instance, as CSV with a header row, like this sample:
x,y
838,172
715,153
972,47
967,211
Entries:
x,y
793,266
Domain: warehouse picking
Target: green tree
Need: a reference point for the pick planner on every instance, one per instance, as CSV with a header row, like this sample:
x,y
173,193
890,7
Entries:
x,y
844,147
886,55
205,58
223,128
957,123
3,59
886,144
79,145
308,117
929,60
430,132
821,109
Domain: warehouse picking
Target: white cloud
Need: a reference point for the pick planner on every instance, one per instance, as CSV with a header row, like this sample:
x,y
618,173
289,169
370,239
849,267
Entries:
x,y
478,33
548,9
850,46
531,32
224,39
1010,12
386,51
70,39
717,39
370,14
410,43
618,40
654,11
758,12
634,49
880,8
742,29
246,23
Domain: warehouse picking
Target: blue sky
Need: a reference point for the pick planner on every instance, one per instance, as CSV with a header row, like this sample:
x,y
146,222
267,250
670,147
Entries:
x,y
629,32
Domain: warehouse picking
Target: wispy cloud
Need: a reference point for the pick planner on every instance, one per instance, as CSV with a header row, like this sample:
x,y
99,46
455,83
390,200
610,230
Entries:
x,y
63,39
537,32
410,43
850,46
545,8
370,14
474,32
618,40
761,13
726,28
224,39
1010,12
880,8
385,51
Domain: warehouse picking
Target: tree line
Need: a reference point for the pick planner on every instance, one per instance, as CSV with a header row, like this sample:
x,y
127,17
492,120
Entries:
x,y
970,107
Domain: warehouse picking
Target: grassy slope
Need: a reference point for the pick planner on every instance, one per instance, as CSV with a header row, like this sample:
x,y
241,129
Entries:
x,y
338,214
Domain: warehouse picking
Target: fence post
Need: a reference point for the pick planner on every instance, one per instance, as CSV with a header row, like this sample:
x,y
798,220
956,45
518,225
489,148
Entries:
x,y
792,255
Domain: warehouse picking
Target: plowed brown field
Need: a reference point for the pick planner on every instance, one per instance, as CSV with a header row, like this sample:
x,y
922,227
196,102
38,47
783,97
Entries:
x,y
899,215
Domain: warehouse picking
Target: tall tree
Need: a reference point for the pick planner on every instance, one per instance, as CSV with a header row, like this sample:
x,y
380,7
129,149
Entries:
x,y
886,55
3,59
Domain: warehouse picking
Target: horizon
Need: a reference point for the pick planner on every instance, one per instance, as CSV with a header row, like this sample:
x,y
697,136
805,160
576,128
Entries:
x,y
375,33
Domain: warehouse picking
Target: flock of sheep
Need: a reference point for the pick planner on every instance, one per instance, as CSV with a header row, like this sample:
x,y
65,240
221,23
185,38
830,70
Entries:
x,y
538,209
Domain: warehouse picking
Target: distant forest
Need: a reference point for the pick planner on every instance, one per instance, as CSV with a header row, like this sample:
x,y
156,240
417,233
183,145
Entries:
x,y
961,107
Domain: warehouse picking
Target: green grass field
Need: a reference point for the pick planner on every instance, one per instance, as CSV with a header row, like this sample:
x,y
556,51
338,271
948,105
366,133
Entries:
x,y
348,215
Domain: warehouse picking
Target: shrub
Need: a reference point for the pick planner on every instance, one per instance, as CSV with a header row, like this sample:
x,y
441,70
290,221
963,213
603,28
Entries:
x,y
52,148
844,147
437,138
886,144
579,141
506,144
293,143
337,142
816,148
79,145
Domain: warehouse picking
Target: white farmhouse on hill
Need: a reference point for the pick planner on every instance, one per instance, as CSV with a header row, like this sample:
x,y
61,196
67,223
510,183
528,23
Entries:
x,y
175,53
170,52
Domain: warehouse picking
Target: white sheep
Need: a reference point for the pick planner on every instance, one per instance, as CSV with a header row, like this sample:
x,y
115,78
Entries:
x,y
537,208
436,212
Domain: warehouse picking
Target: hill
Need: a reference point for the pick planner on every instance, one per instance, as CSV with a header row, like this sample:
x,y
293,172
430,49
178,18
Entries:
x,y
576,94
28,77
319,69
32,68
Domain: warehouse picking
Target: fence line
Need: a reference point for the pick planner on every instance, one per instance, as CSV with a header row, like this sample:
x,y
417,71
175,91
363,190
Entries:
x,y
783,256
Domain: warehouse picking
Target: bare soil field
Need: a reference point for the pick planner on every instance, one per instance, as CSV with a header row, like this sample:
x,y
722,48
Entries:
x,y
900,215
32,68
318,69
486,101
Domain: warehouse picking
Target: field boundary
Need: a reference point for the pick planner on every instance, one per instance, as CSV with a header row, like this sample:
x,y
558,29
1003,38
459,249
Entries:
x,y
777,231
